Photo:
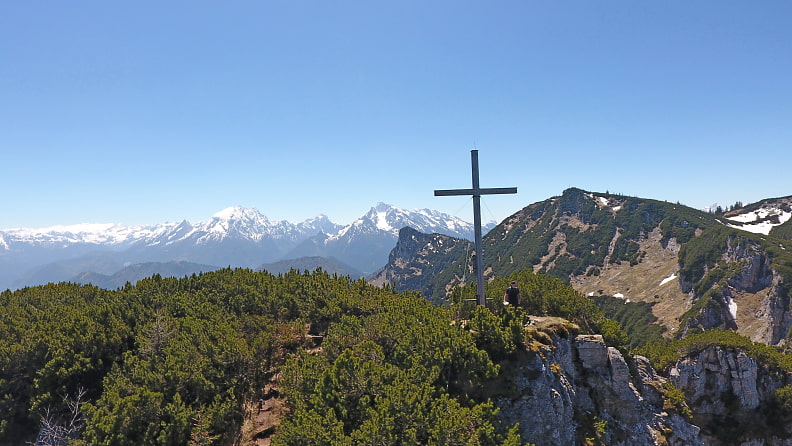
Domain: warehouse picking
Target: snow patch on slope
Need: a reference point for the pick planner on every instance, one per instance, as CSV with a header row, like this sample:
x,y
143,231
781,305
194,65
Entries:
x,y
760,221
668,279
732,307
382,221
605,202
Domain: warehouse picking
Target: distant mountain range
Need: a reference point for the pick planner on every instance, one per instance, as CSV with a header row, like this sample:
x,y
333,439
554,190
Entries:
x,y
328,264
132,273
236,237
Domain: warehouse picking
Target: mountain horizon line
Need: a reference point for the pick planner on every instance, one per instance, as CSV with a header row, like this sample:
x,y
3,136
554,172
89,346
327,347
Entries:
x,y
96,225
244,237
235,236
225,213
240,210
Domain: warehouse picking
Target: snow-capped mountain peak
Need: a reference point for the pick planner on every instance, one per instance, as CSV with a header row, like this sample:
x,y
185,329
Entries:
x,y
386,218
319,224
239,213
84,233
236,220
236,236
383,215
366,242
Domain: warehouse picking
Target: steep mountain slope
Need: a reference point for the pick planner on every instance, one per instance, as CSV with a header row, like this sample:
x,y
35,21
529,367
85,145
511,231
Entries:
x,y
696,269
573,234
429,263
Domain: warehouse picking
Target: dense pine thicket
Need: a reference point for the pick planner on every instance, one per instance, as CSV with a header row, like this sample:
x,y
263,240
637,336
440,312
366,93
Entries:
x,y
636,318
146,361
176,361
173,362
528,235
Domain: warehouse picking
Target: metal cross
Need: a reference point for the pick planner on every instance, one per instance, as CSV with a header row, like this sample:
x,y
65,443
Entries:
x,y
477,192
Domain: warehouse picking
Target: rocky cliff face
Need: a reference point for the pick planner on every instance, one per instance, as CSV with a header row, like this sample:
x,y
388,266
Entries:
x,y
429,263
756,277
750,296
579,390
733,399
755,272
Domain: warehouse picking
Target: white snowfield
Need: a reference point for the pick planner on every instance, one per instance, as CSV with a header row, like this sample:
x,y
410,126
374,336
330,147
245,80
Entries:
x,y
756,221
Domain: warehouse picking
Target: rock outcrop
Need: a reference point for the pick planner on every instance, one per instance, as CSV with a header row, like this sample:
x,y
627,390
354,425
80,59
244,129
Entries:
x,y
580,391
772,320
750,297
429,263
580,388
733,398
715,372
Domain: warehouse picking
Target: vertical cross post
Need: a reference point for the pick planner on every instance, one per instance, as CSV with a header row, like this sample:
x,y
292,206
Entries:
x,y
477,192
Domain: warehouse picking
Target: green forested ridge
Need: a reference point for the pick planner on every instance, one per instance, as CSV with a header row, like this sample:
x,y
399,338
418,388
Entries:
x,y
578,232
635,317
523,240
591,234
329,264
173,361
135,272
783,231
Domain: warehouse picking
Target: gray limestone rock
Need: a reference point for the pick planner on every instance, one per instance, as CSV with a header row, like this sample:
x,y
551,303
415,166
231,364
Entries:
x,y
561,391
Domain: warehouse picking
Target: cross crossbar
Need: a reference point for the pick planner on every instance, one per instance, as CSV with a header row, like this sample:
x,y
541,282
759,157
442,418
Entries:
x,y
477,192
487,191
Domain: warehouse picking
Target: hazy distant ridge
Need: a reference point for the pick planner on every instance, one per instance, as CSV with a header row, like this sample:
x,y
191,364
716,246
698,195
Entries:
x,y
235,236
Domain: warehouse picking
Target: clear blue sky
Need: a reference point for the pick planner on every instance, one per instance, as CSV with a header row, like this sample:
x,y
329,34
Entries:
x,y
145,112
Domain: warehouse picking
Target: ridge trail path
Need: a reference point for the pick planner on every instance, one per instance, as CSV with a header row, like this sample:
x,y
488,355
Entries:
x,y
271,409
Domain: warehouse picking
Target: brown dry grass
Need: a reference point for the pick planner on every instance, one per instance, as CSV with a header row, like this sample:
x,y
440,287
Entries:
x,y
641,282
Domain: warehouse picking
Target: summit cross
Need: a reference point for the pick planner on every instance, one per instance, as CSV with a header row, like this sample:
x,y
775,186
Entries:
x,y
477,192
